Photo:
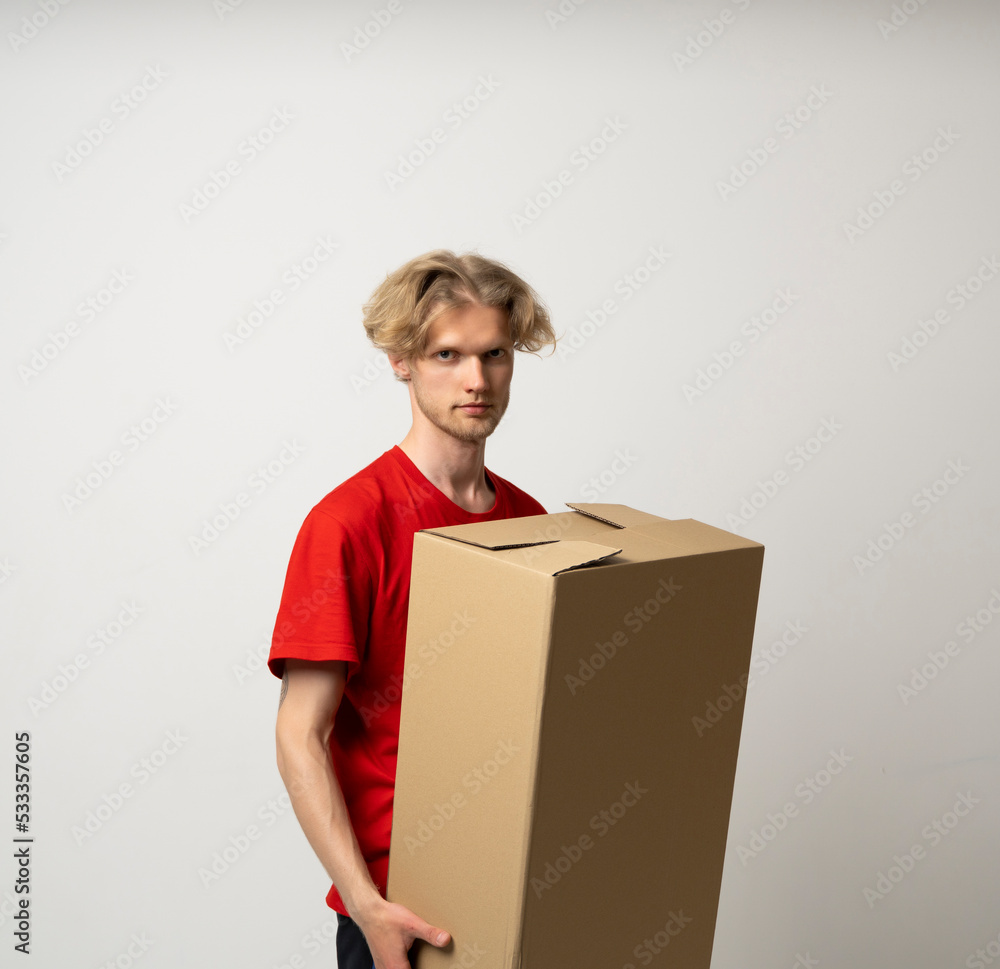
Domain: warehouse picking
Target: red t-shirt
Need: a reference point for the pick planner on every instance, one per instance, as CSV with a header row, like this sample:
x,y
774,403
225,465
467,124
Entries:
x,y
345,597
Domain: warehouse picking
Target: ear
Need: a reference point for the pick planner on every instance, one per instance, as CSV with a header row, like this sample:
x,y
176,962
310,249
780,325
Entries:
x,y
400,367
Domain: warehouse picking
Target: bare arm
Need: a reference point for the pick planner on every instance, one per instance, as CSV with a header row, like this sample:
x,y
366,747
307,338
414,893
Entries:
x,y
310,695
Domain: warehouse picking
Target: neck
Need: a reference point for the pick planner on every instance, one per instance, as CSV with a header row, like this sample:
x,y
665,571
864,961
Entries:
x,y
454,467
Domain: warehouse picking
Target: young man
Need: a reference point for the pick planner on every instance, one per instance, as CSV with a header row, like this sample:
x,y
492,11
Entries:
x,y
449,325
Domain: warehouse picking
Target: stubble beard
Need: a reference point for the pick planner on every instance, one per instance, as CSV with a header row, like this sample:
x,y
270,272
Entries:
x,y
458,425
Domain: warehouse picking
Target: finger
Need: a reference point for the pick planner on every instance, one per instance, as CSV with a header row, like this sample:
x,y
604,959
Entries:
x,y
432,934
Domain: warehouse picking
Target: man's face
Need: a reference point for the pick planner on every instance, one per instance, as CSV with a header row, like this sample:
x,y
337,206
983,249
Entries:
x,y
469,359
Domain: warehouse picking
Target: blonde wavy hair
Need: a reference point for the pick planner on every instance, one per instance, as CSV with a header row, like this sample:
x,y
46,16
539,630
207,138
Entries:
x,y
398,315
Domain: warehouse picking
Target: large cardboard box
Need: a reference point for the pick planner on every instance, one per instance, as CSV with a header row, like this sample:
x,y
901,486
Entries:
x,y
571,714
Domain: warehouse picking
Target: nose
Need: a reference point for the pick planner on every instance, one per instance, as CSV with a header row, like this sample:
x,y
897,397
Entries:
x,y
475,376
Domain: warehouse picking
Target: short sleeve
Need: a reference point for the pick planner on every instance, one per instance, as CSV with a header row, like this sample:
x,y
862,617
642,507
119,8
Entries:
x,y
326,600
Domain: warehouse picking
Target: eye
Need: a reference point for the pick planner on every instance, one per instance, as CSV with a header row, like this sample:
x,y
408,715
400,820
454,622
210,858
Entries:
x,y
497,352
438,354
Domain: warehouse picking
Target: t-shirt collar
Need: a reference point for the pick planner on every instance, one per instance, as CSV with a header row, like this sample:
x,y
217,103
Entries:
x,y
414,472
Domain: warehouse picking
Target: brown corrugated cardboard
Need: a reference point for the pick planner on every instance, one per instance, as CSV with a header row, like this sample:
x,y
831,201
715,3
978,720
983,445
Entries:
x,y
560,800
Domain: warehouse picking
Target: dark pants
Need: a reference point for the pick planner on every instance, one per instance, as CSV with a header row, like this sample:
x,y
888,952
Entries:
x,y
352,949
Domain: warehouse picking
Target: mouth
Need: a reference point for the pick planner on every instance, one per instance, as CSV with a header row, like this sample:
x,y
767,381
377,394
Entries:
x,y
473,408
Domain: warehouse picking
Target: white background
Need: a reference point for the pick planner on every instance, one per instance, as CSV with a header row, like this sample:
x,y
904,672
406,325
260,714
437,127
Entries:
x,y
610,405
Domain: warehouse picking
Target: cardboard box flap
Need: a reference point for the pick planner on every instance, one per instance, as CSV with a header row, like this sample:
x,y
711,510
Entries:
x,y
556,557
621,516
500,533
545,557
693,537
